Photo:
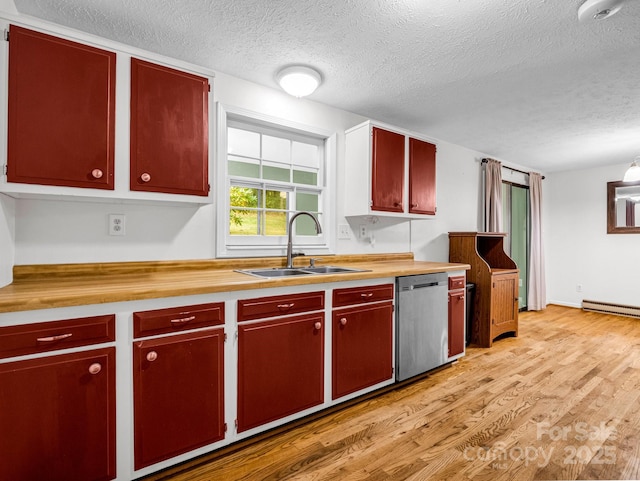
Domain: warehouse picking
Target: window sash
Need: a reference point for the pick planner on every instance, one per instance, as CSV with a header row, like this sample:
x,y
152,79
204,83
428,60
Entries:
x,y
325,142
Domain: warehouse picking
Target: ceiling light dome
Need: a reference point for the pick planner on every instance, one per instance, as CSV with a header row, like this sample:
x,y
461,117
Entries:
x,y
633,172
598,9
299,80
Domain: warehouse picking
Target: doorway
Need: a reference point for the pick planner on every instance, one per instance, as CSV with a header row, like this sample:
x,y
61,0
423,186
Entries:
x,y
516,216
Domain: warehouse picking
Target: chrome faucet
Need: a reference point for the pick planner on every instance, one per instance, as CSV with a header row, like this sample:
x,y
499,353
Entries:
x,y
290,254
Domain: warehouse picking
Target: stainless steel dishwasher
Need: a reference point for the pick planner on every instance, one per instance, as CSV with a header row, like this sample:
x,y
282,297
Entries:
x,y
422,326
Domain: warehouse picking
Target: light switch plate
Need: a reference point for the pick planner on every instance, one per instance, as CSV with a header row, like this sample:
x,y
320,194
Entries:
x,y
344,232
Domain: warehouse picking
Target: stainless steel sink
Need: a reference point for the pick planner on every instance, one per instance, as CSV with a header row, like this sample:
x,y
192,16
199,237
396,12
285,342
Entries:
x,y
275,272
300,271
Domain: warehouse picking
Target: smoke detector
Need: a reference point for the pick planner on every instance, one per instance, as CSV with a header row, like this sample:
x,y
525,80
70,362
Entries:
x,y
598,9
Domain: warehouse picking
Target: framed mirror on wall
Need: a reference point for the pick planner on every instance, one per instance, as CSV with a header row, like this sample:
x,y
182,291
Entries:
x,y
623,207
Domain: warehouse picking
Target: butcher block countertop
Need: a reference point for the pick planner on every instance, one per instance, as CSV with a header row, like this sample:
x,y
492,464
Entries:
x,y
62,285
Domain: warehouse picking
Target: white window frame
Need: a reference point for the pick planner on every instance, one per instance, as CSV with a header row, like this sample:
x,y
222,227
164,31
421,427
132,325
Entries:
x,y
250,246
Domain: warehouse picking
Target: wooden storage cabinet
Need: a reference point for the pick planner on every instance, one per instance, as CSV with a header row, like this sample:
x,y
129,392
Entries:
x,y
401,170
178,383
169,130
456,337
280,363
504,302
495,275
362,338
61,112
57,417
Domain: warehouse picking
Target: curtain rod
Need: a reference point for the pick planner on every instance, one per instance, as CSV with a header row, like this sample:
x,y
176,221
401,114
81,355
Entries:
x,y
484,161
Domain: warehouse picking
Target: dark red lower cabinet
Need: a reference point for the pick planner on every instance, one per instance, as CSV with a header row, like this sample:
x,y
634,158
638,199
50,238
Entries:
x,y
57,417
178,391
456,322
280,368
362,347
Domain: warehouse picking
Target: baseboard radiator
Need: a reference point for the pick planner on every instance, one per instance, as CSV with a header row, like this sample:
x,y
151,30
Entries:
x,y
610,308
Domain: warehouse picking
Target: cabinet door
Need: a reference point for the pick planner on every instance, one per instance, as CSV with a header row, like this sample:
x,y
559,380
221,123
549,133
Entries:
x,y
61,112
504,304
169,130
57,417
422,177
387,171
362,348
178,392
456,322
280,368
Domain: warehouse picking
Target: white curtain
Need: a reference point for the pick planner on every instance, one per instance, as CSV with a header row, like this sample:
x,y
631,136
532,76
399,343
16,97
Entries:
x,y
537,299
493,196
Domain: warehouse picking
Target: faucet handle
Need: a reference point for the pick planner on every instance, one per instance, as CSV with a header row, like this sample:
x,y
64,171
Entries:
x,y
312,261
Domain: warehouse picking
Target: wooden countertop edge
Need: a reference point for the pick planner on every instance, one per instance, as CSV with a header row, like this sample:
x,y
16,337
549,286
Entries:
x,y
40,293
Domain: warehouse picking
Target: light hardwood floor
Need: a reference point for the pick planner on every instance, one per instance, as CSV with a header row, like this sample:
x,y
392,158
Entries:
x,y
561,401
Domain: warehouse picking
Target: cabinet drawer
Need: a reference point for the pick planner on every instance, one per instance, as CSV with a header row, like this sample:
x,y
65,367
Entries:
x,y
173,319
52,335
456,282
261,307
360,295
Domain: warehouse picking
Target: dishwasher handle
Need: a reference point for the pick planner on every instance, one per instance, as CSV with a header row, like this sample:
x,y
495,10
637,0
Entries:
x,y
427,284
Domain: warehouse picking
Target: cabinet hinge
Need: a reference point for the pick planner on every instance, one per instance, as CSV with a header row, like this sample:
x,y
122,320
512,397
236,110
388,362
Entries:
x,y
225,337
370,203
6,35
5,169
236,424
225,427
208,187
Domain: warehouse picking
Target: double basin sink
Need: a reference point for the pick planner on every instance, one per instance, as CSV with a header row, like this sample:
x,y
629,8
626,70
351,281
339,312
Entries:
x,y
298,271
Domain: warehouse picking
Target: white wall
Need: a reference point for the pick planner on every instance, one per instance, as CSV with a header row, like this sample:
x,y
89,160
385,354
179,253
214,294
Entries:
x,y
459,187
7,239
578,249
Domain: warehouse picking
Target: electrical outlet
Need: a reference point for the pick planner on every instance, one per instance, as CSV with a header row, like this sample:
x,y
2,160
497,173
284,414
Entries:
x,y
579,288
344,232
116,224
363,232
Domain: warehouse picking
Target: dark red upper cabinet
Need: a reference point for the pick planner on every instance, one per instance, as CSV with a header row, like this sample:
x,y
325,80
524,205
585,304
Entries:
x,y
169,130
422,177
387,176
61,111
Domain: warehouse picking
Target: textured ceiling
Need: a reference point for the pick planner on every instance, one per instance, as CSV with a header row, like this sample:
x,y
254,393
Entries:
x,y
520,80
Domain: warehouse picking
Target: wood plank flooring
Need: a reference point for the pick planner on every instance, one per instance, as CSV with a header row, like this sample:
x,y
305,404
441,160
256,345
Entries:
x,y
561,401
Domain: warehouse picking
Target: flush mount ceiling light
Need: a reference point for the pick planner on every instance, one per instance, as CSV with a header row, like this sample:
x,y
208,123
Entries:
x,y
633,172
298,80
598,9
